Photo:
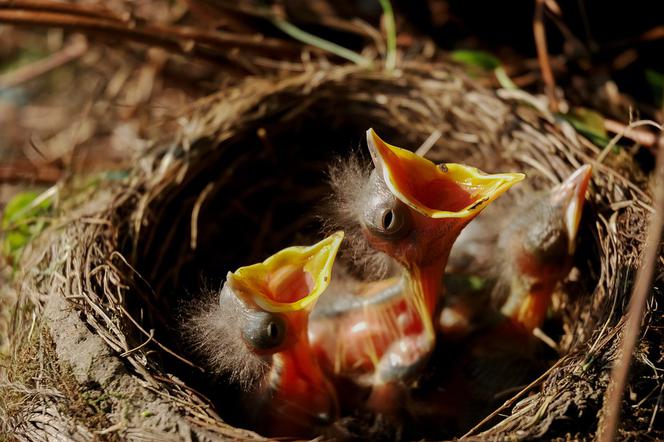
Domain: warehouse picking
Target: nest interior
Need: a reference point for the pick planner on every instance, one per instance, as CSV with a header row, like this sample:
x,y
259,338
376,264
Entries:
x,y
246,176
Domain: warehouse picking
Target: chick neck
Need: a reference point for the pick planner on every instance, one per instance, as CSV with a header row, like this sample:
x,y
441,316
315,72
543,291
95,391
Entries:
x,y
425,283
302,395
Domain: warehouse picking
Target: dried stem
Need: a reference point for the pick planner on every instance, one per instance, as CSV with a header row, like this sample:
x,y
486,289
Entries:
x,y
644,276
512,400
326,45
543,55
67,8
391,35
22,171
644,138
193,42
623,133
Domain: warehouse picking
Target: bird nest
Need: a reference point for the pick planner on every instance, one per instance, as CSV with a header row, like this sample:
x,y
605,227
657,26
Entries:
x,y
243,178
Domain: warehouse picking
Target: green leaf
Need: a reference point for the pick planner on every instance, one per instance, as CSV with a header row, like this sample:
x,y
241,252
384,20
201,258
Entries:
x,y
22,220
481,59
23,58
476,283
23,206
656,81
15,240
589,123
318,42
464,283
503,79
116,175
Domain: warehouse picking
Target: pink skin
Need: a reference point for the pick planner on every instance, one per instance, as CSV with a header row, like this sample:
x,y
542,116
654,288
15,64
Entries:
x,y
303,397
424,252
414,217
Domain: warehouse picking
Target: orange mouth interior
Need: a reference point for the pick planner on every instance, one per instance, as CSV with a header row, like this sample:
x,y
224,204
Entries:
x,y
291,279
288,284
439,193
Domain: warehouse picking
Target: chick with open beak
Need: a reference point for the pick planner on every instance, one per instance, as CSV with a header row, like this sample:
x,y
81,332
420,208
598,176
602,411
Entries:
x,y
490,348
411,210
257,336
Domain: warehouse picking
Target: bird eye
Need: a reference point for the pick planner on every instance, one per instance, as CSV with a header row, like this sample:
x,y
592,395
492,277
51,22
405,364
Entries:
x,y
382,213
264,331
390,221
273,331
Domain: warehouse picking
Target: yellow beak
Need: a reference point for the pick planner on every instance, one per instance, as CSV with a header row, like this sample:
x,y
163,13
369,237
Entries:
x,y
438,191
291,279
571,195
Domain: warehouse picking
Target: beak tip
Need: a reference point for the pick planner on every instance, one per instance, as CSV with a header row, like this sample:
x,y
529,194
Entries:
x,y
335,241
581,176
372,138
578,182
335,237
373,143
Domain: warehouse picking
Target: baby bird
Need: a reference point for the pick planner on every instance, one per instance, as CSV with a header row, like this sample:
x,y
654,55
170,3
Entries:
x,y
411,210
493,349
257,336
373,337
528,255
539,247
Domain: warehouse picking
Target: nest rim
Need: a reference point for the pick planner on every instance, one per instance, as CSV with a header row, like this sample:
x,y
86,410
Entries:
x,y
104,267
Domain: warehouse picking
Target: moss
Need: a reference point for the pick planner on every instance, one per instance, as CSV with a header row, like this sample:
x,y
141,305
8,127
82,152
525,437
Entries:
x,y
35,368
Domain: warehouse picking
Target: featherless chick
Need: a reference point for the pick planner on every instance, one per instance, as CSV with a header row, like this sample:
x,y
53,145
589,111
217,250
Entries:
x,y
257,336
492,349
523,256
411,210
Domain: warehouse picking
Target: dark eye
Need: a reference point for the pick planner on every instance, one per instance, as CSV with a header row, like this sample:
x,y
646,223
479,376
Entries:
x,y
263,330
390,221
383,213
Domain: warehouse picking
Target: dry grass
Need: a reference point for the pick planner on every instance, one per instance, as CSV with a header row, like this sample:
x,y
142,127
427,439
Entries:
x,y
37,387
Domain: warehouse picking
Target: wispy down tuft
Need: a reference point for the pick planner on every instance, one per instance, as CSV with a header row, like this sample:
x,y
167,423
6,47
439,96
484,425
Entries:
x,y
212,330
348,177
